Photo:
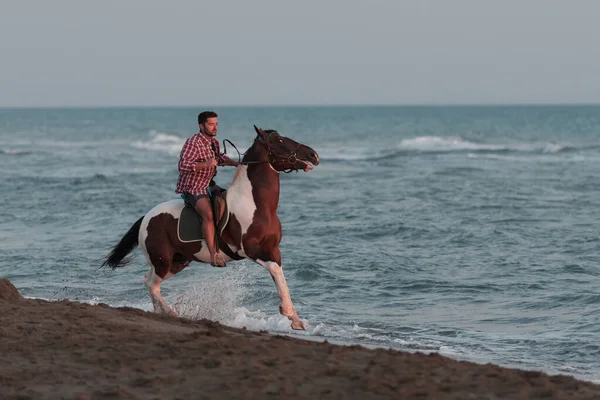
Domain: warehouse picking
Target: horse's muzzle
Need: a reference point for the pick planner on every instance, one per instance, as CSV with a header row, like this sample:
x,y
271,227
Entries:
x,y
313,157
310,157
304,158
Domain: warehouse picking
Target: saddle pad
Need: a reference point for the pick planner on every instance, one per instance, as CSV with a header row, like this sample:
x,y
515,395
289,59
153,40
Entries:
x,y
189,226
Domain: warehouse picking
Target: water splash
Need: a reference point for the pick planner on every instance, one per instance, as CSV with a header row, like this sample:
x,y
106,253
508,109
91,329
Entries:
x,y
214,300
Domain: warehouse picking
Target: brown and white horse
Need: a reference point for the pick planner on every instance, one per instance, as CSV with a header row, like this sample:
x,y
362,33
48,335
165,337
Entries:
x,y
253,229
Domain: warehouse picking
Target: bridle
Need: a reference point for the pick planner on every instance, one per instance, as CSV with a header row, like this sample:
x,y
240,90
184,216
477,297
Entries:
x,y
273,157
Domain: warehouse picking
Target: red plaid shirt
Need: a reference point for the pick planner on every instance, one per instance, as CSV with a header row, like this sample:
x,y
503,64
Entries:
x,y
199,147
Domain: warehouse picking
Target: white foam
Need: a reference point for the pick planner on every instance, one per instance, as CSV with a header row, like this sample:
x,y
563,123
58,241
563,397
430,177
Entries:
x,y
259,320
7,150
567,368
553,148
346,153
376,338
161,141
67,145
220,301
432,144
440,143
497,157
215,300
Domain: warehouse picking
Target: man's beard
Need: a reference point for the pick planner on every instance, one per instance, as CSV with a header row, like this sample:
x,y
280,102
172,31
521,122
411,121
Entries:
x,y
207,132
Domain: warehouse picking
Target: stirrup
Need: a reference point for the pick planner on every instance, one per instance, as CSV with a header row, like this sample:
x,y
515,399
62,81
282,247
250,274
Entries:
x,y
218,261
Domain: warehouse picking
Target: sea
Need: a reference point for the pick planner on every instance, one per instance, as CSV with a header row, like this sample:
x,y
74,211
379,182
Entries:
x,y
469,231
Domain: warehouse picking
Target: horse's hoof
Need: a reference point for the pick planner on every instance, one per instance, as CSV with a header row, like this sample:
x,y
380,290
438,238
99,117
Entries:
x,y
168,311
298,325
218,261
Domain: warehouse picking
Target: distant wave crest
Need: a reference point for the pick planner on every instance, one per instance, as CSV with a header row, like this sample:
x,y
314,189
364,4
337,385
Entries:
x,y
449,144
161,141
14,152
172,144
437,145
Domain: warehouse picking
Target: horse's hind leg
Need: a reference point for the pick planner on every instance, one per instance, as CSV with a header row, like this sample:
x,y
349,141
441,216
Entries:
x,y
159,271
153,282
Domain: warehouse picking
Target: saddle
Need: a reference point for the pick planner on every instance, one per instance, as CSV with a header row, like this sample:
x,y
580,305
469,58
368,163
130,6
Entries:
x,y
189,227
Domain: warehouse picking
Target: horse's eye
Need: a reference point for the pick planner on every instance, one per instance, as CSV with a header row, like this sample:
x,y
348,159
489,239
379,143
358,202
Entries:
x,y
281,141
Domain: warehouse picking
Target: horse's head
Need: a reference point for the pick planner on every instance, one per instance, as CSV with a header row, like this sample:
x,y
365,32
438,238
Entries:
x,y
285,154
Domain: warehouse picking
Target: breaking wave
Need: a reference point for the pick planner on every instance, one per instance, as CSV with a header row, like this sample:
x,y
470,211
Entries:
x,y
160,141
437,145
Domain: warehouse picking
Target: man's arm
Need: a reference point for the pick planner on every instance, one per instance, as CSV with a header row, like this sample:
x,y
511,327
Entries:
x,y
205,164
195,157
189,155
224,160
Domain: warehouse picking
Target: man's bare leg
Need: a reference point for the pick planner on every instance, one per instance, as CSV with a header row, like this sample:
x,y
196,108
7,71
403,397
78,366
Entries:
x,y
203,208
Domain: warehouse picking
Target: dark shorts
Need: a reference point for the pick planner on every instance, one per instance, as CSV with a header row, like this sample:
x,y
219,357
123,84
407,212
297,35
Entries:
x,y
191,199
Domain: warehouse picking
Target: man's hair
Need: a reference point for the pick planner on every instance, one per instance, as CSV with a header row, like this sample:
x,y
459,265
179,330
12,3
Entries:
x,y
204,115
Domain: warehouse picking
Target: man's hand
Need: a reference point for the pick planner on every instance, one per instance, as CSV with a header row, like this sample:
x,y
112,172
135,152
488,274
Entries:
x,y
229,161
205,164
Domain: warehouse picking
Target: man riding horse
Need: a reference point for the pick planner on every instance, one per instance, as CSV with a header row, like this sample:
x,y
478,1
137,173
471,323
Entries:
x,y
252,228
198,163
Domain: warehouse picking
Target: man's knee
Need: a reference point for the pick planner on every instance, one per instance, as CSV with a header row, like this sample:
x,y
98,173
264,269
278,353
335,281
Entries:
x,y
207,215
204,213
203,207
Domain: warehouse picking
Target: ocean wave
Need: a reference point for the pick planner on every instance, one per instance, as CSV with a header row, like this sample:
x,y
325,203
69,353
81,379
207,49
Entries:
x,y
458,144
161,141
445,144
377,338
14,152
172,144
438,145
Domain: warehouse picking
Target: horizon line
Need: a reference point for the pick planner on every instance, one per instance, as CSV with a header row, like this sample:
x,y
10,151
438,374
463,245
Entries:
x,y
407,105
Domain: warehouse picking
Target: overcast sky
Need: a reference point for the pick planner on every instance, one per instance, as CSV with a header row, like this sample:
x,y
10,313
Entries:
x,y
281,52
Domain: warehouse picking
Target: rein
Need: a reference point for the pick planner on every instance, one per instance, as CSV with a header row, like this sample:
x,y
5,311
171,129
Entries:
x,y
291,158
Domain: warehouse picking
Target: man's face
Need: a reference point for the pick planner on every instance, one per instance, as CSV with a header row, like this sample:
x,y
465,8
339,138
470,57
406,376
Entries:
x,y
210,126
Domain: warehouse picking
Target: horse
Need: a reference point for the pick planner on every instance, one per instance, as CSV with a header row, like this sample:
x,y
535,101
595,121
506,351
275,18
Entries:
x,y
251,227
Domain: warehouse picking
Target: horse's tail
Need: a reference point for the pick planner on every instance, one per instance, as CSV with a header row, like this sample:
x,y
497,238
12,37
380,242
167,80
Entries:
x,y
116,258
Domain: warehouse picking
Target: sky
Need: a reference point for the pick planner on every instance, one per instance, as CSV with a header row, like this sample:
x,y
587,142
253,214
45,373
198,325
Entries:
x,y
277,52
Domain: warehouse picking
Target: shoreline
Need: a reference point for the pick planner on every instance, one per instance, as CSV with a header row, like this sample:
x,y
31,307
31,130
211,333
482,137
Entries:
x,y
348,342
66,349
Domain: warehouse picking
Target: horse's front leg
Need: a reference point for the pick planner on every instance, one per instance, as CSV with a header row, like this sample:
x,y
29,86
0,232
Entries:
x,y
272,262
287,307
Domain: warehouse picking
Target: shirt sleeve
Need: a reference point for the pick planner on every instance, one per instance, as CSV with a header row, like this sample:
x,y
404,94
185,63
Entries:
x,y
189,155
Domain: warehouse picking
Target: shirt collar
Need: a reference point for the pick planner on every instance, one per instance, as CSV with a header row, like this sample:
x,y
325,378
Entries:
x,y
204,136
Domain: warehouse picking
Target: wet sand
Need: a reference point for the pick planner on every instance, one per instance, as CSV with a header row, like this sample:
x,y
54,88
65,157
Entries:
x,y
78,351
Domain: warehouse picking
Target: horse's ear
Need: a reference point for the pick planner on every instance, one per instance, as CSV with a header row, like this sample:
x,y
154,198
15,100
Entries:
x,y
259,132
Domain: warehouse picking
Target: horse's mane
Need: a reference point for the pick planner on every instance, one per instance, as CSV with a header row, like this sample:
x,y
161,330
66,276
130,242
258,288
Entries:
x,y
269,132
257,138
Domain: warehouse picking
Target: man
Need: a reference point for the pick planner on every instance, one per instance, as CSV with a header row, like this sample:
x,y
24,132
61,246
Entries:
x,y
198,163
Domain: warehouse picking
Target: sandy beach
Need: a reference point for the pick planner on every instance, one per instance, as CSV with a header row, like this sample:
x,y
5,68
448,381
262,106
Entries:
x,y
72,350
